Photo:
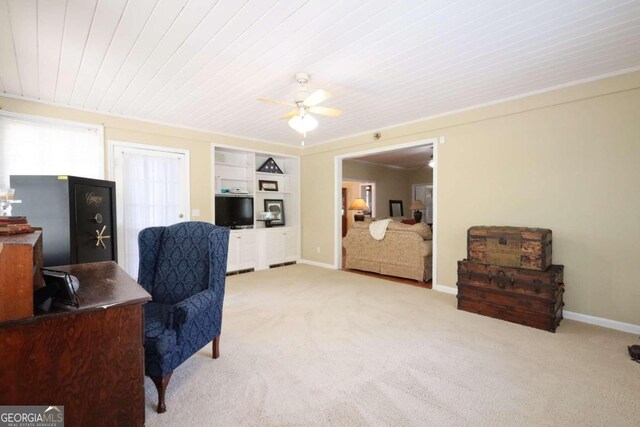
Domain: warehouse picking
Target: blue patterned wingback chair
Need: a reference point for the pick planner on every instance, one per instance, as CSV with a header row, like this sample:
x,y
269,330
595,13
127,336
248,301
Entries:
x,y
183,267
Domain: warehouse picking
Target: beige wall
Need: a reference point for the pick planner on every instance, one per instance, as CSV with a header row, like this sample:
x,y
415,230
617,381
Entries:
x,y
421,176
391,183
127,130
568,160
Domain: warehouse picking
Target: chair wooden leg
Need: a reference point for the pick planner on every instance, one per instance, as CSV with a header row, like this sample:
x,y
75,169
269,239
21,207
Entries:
x,y
161,385
215,347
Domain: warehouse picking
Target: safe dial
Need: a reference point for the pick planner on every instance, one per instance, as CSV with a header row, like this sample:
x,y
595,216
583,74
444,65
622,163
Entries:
x,y
97,218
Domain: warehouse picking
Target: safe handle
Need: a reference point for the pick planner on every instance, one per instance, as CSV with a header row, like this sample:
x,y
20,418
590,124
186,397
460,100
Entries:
x,y
100,237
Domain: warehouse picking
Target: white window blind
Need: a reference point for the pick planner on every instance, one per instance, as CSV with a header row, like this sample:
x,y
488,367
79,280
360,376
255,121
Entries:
x,y
37,146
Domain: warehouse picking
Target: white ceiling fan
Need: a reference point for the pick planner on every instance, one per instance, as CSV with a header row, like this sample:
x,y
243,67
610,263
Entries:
x,y
305,103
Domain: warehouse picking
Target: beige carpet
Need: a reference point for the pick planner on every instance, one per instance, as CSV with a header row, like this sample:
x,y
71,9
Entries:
x,y
303,345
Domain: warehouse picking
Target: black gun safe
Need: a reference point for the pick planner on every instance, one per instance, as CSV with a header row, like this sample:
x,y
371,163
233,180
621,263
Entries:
x,y
77,216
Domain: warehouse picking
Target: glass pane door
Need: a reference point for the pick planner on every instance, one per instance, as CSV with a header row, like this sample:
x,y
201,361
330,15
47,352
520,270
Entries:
x,y
151,187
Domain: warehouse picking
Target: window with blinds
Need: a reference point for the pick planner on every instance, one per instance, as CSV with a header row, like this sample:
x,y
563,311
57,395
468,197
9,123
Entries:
x,y
37,146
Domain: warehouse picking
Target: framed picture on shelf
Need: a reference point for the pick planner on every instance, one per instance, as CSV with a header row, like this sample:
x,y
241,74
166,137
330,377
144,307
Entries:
x,y
268,185
276,207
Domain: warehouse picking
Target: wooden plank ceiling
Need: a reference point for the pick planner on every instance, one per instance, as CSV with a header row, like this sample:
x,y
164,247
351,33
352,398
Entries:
x,y
203,63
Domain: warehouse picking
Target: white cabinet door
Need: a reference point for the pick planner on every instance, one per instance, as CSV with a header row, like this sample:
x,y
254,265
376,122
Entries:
x,y
282,246
291,245
233,262
247,255
242,250
275,246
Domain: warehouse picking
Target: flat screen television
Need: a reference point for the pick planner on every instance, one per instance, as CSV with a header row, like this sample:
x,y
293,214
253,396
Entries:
x,y
234,211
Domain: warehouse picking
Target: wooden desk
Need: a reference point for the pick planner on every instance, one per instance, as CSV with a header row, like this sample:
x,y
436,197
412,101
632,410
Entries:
x,y
89,359
20,264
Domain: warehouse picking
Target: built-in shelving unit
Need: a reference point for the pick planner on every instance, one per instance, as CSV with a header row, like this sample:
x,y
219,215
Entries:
x,y
233,170
235,173
288,187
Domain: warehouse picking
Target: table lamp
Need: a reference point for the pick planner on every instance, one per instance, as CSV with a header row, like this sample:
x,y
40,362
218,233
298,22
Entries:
x,y
358,205
416,206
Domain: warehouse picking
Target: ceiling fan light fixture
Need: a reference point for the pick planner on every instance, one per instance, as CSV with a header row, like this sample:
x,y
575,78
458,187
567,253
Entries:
x,y
305,102
431,162
303,123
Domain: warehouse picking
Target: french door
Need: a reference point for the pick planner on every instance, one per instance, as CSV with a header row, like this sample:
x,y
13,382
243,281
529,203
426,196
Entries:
x,y
424,193
152,189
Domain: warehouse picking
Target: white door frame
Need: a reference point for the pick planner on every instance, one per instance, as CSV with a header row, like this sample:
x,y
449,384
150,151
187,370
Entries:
x,y
113,145
337,167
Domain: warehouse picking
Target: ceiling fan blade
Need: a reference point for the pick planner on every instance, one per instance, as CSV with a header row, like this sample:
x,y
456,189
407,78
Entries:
x,y
290,114
275,101
326,111
316,98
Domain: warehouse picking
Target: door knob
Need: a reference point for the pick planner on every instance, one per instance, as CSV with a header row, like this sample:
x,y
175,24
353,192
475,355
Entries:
x,y
180,216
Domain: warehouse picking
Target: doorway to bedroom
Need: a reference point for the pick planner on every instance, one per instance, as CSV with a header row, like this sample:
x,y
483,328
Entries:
x,y
393,188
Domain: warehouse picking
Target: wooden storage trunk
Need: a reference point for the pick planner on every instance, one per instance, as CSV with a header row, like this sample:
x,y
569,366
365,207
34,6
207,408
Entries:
x,y
531,298
520,281
518,247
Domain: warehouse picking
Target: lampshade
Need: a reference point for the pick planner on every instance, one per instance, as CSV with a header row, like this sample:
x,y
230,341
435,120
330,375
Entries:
x,y
431,162
358,205
417,205
303,123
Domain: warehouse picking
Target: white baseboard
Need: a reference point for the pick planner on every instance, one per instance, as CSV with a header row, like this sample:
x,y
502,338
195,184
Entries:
x,y
445,289
579,317
317,264
601,321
